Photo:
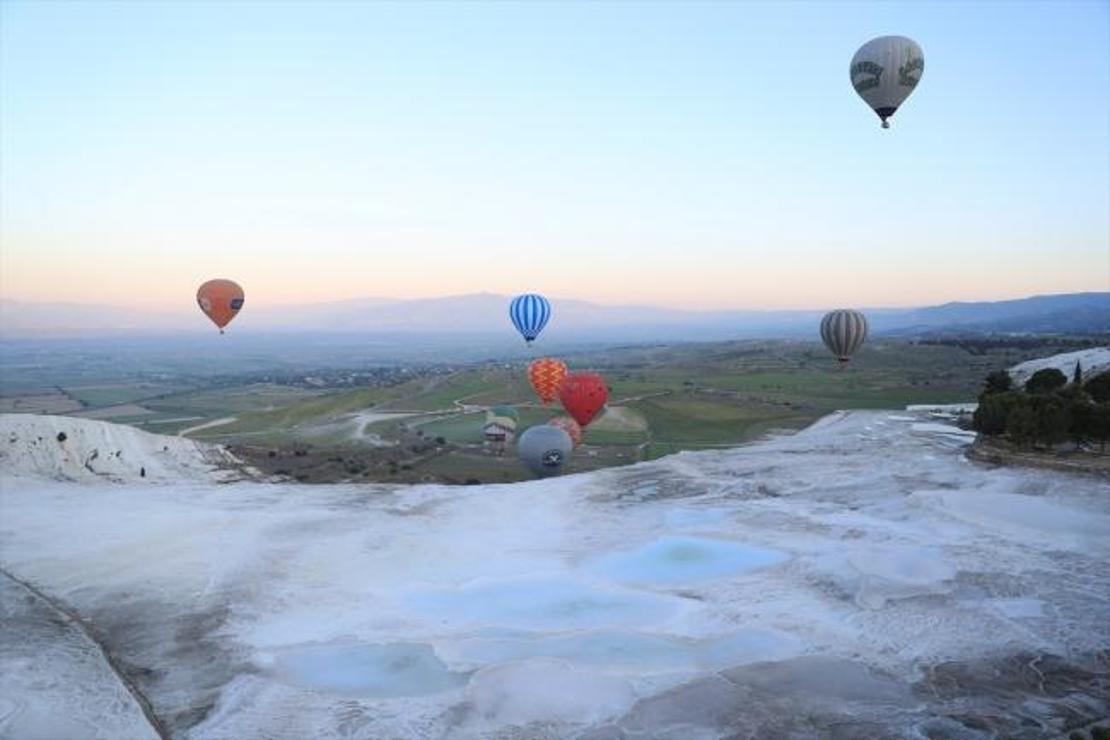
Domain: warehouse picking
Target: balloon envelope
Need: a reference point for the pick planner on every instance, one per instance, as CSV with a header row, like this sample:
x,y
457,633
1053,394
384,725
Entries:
x,y
583,396
843,331
529,314
546,375
544,449
220,300
885,71
570,426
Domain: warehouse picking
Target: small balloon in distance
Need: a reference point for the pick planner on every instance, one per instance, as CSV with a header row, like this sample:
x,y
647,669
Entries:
x,y
843,331
570,426
220,300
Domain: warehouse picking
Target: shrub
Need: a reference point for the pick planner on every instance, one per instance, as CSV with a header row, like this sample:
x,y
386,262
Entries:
x,y
1046,380
62,437
1082,413
1098,425
1021,424
997,382
1099,387
1053,421
993,411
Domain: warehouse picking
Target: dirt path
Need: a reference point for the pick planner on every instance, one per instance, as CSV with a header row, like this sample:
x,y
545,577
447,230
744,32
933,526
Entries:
x,y
208,425
366,418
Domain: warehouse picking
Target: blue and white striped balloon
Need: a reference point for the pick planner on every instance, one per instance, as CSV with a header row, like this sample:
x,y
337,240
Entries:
x,y
529,313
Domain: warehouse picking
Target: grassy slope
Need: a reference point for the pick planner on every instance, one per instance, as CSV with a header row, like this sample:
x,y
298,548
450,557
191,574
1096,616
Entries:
x,y
696,396
280,421
97,396
674,398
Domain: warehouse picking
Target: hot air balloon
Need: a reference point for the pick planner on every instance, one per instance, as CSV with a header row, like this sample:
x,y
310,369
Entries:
x,y
843,331
546,375
544,449
501,424
885,71
529,313
583,396
570,426
220,300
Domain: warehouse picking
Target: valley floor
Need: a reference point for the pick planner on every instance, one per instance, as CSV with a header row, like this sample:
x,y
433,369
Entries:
x,y
861,578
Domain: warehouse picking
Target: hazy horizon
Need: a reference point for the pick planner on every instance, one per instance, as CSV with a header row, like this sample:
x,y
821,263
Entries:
x,y
485,314
369,300
692,156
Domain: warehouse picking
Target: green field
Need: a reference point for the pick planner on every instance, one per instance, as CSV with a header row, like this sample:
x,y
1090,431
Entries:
x,y
663,399
234,400
98,396
481,387
283,420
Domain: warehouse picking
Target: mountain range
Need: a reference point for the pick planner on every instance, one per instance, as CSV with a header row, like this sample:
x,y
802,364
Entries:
x,y
485,313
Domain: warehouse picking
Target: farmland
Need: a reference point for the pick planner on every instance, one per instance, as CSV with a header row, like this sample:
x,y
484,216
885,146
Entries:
x,y
663,400
425,423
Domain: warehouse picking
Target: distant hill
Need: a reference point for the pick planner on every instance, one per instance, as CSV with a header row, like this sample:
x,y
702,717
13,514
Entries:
x,y
1091,361
1069,313
486,313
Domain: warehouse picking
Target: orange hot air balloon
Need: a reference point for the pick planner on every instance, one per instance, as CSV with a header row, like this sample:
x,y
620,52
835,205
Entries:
x,y
546,375
583,396
570,426
220,300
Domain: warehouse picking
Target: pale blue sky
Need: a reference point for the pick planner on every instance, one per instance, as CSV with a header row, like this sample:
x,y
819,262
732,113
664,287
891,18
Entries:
x,y
703,155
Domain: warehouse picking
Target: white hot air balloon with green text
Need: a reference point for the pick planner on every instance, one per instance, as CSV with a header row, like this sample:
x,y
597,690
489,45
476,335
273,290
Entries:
x,y
885,71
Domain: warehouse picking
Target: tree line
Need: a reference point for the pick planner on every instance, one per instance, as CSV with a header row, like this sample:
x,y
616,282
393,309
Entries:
x,y
1048,410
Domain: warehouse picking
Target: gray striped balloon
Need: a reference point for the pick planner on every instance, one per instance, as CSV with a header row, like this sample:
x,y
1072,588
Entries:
x,y
843,331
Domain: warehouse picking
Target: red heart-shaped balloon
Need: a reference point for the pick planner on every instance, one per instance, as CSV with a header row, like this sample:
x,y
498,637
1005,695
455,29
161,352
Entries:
x,y
583,396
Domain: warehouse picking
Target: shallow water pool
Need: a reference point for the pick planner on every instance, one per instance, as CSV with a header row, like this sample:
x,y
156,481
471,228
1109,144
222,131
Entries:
x,y
676,560
387,670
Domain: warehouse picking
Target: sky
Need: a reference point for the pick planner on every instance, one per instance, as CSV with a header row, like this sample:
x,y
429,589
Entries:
x,y
681,154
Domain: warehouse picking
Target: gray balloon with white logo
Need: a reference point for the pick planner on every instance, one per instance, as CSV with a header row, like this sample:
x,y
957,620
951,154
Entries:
x,y
544,449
